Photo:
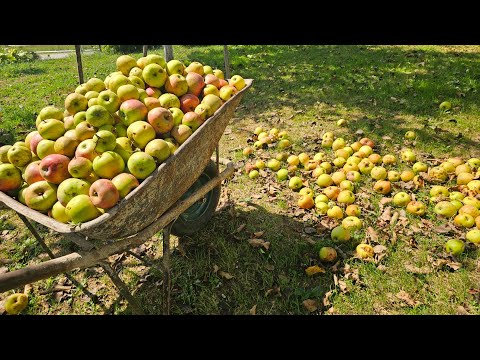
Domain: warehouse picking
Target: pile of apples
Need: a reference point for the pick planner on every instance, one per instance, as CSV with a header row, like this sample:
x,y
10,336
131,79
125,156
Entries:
x,y
337,181
111,135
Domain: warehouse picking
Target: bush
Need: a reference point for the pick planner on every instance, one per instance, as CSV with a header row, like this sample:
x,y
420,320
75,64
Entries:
x,y
10,55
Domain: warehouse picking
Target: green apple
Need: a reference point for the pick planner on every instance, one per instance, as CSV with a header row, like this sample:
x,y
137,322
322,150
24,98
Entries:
x,y
353,210
378,173
138,82
321,208
445,106
445,208
335,212
346,197
41,196
81,209
51,129
98,115
75,103
141,165
95,84
104,141
124,148
322,198
437,174
177,115
128,92
455,247
70,188
324,180
438,190
15,303
45,148
141,133
19,156
154,75
49,112
457,203
253,174
473,236
80,167
158,149
365,251
346,185
58,212
118,80
408,155
366,166
352,223
218,73
474,163
353,176
175,67
125,63
109,100
213,102
108,165
393,176
410,135
448,166
282,174
389,159
168,101
419,167
340,234
65,145
470,200
237,81
274,164
295,183
401,199
464,220
153,59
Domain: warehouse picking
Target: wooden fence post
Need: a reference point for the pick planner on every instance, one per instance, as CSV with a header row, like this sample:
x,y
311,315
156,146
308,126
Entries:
x,y
79,63
226,59
168,50
145,50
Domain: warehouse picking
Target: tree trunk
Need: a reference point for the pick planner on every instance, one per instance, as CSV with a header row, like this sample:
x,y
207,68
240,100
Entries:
x,y
145,50
168,49
226,58
79,63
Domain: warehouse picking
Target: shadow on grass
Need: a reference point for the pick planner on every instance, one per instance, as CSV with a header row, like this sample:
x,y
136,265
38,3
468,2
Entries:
x,y
273,280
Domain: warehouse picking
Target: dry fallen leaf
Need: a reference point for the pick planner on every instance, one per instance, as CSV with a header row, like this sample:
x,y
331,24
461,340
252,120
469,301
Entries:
x,y
387,214
416,270
378,249
394,218
215,269
343,286
372,233
240,228
454,265
225,275
312,270
326,298
310,305
253,310
385,200
462,311
258,234
259,242
403,295
443,229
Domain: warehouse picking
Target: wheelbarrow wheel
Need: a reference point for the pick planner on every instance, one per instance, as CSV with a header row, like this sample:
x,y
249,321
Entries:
x,y
197,215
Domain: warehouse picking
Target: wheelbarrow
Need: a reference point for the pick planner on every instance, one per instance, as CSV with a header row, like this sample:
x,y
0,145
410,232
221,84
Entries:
x,y
180,197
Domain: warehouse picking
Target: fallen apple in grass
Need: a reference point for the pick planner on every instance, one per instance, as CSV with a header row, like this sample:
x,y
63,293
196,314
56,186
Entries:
x,y
327,254
454,247
445,208
340,234
15,303
383,187
353,210
295,183
306,202
416,208
464,220
335,212
401,199
352,223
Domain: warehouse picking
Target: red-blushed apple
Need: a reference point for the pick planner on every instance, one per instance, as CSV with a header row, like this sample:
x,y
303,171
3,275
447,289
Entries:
x,y
306,202
41,196
176,84
109,100
19,155
154,75
10,177
141,165
168,101
153,92
65,146
383,187
161,120
125,183
49,112
214,103
470,210
337,176
227,92
75,103
70,188
32,173
54,168
86,149
85,131
203,110
29,137
81,209
108,165
104,141
151,103
195,82
104,194
45,148
175,67
353,210
125,63
141,133
181,133
58,212
98,115
132,111
407,175
189,102
124,148
223,83
158,149
34,141
138,82
195,67
51,129
192,120
211,79
416,208
210,89
80,167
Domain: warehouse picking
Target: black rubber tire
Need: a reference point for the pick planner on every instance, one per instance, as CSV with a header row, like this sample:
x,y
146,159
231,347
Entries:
x,y
184,226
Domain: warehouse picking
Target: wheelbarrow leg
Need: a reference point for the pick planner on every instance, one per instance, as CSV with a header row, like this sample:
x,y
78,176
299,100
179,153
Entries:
x,y
166,268
42,243
122,288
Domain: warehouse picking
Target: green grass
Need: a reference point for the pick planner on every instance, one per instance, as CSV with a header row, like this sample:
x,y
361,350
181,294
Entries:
x,y
381,90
